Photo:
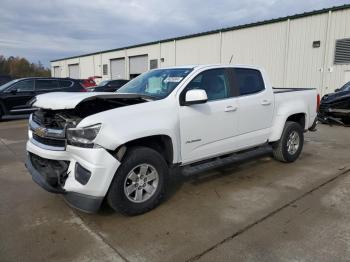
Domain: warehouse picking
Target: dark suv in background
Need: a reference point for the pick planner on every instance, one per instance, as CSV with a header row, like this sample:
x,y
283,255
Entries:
x,y
109,85
335,107
15,95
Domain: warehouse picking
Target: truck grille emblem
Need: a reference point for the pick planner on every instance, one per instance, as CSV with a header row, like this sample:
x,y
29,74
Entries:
x,y
40,131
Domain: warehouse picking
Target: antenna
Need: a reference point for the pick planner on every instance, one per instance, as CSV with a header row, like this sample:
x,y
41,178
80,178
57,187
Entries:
x,y
231,59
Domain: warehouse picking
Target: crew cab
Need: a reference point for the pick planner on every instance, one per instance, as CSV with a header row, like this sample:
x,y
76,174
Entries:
x,y
121,146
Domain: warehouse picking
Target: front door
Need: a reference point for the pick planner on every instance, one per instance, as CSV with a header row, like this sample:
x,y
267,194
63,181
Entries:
x,y
16,98
209,129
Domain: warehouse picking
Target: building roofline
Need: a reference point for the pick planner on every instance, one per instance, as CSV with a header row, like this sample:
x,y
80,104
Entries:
x,y
264,22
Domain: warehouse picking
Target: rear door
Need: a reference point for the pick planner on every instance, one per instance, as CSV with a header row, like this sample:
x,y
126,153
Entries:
x,y
256,105
46,85
18,95
209,129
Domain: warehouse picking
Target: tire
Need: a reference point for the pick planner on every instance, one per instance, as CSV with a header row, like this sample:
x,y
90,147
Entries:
x,y
346,120
280,148
138,158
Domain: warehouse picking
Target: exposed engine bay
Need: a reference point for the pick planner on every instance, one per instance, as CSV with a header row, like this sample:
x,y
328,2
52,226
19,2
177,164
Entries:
x,y
66,118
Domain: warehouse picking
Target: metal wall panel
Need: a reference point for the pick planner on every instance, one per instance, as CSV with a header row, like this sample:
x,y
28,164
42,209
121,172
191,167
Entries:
x,y
57,71
73,71
106,58
167,52
285,49
304,62
262,46
336,75
86,66
198,50
138,64
117,68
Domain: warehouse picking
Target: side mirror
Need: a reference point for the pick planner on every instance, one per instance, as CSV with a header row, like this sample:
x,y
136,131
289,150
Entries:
x,y
195,96
337,90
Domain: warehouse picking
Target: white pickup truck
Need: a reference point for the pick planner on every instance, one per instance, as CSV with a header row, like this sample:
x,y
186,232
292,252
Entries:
x,y
121,146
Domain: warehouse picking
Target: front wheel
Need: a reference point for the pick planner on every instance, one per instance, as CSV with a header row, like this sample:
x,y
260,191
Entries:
x,y
289,147
346,120
139,183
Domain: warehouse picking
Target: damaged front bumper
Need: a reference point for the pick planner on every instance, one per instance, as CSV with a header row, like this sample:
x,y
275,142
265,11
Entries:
x,y
81,175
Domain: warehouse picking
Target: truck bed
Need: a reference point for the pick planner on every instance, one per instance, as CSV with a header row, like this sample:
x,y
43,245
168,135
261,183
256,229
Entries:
x,y
303,98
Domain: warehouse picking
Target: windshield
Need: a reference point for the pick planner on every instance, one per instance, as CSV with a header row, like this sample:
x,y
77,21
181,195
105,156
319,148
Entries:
x,y
345,87
157,83
4,86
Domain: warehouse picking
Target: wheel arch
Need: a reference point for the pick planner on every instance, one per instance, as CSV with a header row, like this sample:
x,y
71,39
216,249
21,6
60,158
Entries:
x,y
163,144
281,120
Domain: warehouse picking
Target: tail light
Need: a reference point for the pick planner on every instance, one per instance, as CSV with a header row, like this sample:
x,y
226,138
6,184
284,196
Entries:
x,y
318,102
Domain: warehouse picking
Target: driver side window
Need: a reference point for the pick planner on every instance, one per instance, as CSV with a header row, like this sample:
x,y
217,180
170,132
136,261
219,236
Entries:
x,y
23,86
215,83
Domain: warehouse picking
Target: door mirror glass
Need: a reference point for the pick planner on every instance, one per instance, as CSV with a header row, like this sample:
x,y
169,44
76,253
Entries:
x,y
196,96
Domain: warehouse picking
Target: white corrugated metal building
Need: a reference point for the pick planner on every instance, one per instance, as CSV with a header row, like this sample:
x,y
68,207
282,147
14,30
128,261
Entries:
x,y
305,50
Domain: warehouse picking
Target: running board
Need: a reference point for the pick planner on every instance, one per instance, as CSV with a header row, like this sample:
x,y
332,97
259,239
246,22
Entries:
x,y
197,168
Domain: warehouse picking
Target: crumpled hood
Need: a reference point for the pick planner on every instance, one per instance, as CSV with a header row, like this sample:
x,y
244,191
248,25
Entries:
x,y
67,100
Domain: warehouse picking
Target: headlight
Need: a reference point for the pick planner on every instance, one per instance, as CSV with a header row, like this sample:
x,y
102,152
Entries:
x,y
83,136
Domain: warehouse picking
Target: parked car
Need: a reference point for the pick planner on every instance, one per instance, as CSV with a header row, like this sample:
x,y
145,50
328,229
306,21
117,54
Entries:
x,y
15,95
5,79
110,85
89,82
121,146
335,107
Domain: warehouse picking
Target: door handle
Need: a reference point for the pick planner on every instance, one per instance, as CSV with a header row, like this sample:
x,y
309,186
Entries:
x,y
230,108
266,102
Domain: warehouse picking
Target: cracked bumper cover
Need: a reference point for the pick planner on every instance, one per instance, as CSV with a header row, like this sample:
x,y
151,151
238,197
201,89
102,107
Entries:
x,y
88,197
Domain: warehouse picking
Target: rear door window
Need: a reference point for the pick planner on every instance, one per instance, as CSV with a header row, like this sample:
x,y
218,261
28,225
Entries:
x,y
46,85
65,83
248,81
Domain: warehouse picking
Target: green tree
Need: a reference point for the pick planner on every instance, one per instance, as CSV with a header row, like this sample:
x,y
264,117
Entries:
x,y
18,67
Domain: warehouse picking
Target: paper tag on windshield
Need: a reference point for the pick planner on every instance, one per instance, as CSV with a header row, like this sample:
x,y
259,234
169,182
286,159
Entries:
x,y
172,79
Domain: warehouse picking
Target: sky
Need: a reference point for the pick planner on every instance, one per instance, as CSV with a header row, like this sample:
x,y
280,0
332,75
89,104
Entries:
x,y
44,30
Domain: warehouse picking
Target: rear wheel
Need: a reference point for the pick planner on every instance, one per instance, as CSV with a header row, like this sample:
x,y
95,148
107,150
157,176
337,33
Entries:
x,y
139,183
289,147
